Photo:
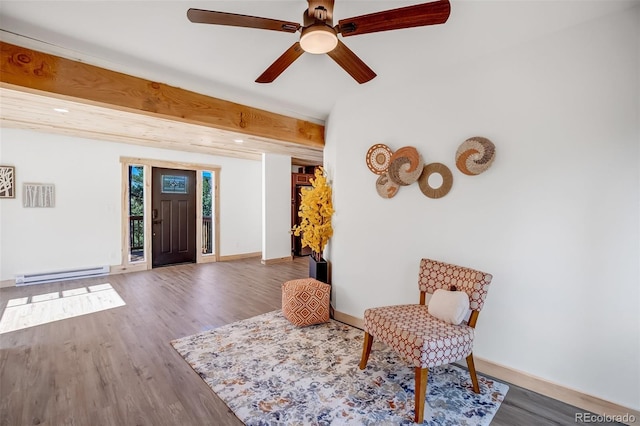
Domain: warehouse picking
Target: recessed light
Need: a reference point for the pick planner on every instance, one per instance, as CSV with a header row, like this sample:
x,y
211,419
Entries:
x,y
238,140
63,110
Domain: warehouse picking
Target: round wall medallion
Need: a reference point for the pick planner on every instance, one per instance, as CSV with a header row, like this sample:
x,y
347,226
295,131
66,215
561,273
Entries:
x,y
378,158
475,155
406,166
386,187
447,180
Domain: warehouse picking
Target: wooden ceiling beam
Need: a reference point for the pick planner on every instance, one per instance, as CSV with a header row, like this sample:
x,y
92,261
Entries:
x,y
37,72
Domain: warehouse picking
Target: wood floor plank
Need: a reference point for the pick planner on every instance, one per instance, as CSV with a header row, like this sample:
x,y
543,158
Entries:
x,y
116,367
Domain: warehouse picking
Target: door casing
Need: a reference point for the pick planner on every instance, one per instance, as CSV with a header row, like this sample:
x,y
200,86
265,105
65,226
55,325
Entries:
x,y
126,265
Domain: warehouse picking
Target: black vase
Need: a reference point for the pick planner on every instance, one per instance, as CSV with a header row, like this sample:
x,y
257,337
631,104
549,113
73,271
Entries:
x,y
318,269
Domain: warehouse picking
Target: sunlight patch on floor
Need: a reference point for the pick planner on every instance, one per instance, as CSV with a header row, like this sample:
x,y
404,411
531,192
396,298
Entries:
x,y
44,308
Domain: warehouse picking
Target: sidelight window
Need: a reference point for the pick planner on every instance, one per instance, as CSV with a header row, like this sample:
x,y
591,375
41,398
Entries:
x,y
136,213
207,216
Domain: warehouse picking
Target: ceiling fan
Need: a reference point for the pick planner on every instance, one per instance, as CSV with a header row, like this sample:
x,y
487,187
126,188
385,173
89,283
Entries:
x,y
318,35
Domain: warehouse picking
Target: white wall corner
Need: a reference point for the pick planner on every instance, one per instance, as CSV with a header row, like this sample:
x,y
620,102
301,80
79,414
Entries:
x,y
276,206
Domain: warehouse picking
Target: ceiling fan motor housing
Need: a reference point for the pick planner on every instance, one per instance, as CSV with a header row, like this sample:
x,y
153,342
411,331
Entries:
x,y
318,15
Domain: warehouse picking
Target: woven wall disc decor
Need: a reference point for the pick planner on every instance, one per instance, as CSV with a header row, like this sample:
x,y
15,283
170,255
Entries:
x,y
378,158
385,187
475,155
406,166
447,180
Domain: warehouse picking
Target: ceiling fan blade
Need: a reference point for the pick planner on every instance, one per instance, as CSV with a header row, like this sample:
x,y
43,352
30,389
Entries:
x,y
419,15
351,63
200,16
281,64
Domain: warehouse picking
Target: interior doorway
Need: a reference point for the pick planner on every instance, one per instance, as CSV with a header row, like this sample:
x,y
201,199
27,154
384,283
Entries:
x,y
173,216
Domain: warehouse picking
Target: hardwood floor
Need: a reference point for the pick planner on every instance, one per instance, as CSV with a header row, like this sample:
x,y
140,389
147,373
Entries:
x,y
116,367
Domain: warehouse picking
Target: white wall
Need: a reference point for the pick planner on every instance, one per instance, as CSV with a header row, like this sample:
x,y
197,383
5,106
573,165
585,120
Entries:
x,y
276,206
84,227
555,219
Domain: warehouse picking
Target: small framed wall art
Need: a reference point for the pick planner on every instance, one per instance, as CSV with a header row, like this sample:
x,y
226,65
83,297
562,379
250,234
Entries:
x,y
38,195
7,182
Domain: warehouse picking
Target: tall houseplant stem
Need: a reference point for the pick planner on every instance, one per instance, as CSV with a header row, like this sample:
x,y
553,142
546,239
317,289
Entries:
x,y
316,209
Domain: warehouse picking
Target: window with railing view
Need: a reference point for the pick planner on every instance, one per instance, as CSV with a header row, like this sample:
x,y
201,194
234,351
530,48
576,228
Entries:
x,y
136,213
207,205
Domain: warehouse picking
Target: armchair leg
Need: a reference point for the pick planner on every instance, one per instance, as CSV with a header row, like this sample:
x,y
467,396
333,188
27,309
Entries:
x,y
472,373
422,375
366,350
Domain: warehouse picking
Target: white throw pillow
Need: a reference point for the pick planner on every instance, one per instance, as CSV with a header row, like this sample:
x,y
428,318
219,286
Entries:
x,y
449,306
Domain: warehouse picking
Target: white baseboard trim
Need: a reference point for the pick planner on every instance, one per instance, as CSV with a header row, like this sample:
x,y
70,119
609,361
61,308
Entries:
x,y
7,283
348,319
133,267
554,390
239,256
536,384
277,260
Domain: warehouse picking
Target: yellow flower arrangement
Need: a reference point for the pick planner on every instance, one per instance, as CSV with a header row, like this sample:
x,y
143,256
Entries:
x,y
316,209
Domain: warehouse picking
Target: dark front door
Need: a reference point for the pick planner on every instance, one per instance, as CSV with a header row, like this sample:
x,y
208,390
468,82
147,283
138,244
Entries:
x,y
298,250
173,216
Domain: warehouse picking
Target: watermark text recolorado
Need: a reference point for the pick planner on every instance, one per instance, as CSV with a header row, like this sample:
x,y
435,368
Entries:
x,y
604,418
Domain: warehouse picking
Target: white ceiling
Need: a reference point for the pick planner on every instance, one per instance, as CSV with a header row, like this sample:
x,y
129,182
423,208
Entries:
x,y
154,40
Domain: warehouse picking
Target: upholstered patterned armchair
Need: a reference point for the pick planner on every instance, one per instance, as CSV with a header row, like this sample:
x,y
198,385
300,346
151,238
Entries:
x,y
422,339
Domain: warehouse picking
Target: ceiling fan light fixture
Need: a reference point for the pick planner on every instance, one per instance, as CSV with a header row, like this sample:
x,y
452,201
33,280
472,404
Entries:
x,y
318,39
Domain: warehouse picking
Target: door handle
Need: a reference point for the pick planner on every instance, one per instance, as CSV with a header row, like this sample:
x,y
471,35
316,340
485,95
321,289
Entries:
x,y
154,217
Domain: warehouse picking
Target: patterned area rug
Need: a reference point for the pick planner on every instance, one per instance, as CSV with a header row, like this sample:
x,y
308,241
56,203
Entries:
x,y
270,372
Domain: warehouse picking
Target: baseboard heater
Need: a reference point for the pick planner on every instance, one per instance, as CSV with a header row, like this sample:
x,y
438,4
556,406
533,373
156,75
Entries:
x,y
71,274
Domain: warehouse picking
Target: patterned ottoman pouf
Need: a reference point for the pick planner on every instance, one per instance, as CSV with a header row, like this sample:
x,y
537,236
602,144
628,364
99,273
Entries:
x,y
305,301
